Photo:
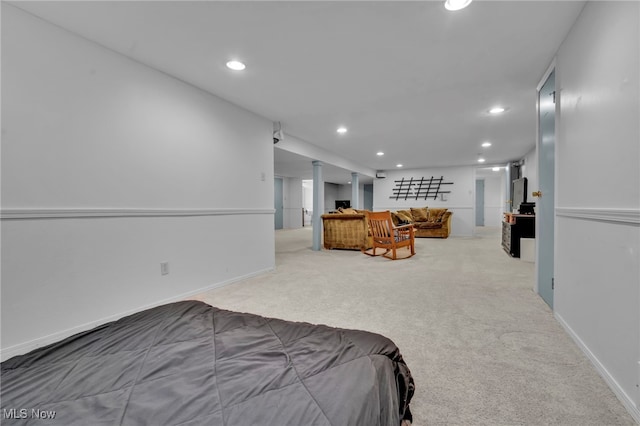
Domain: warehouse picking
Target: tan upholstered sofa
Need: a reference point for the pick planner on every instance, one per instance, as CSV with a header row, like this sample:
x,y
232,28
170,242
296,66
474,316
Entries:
x,y
428,222
347,229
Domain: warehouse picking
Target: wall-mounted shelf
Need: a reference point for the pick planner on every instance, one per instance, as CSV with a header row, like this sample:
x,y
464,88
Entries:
x,y
417,189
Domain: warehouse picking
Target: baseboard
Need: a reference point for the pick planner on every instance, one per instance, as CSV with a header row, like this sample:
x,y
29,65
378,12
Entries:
x,y
626,400
23,348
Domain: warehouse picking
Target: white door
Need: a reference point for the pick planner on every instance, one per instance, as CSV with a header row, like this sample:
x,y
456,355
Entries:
x,y
545,204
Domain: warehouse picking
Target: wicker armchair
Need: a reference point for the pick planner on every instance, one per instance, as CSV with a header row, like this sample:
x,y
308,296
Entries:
x,y
348,231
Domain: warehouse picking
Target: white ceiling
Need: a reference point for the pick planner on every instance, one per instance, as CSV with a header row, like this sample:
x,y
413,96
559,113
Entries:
x,y
408,78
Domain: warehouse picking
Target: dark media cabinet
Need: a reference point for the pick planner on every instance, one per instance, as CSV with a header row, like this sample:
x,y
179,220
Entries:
x,y
514,227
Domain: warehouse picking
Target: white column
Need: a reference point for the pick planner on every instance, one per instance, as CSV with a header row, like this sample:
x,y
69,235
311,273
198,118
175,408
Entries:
x,y
318,205
355,187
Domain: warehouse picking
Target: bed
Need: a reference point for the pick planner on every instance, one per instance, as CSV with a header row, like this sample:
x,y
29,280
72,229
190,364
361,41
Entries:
x,y
188,363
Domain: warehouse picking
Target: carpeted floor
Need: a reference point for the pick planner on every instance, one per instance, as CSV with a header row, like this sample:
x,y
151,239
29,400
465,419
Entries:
x,y
483,348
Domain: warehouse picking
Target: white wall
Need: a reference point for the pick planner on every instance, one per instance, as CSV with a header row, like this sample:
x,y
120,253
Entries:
x,y
493,199
124,168
461,200
597,267
530,171
344,193
331,194
307,201
292,194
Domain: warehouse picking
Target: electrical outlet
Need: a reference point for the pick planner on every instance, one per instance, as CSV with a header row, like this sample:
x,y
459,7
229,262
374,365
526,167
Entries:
x,y
164,268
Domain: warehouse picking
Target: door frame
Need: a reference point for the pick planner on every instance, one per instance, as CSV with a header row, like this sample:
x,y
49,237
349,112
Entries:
x,y
278,202
480,209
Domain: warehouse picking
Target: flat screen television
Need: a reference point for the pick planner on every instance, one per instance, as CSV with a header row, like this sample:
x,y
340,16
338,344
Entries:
x,y
519,192
345,204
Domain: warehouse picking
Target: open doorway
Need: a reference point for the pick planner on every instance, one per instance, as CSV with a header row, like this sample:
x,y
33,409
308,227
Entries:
x,y
307,202
490,196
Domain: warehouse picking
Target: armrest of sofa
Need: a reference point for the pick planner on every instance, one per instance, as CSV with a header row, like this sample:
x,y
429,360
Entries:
x,y
446,221
346,231
404,231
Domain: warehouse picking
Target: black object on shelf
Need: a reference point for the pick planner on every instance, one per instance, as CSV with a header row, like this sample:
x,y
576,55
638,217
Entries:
x,y
527,208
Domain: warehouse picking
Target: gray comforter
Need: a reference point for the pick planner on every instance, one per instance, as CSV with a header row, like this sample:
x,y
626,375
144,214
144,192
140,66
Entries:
x,y
189,363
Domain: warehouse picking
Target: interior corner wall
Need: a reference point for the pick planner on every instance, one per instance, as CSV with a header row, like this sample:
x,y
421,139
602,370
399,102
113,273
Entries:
x,y
597,242
110,168
461,199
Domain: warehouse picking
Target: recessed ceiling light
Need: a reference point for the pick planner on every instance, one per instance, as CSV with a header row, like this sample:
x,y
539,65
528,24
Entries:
x,y
496,169
454,5
481,160
486,144
342,130
349,182
398,165
379,153
496,110
236,65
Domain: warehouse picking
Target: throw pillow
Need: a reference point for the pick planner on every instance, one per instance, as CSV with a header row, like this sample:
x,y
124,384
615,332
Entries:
x,y
435,215
402,220
349,211
407,214
419,215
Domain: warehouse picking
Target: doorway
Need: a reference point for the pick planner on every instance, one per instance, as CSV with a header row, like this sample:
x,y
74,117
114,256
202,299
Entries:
x,y
545,201
307,201
479,202
278,202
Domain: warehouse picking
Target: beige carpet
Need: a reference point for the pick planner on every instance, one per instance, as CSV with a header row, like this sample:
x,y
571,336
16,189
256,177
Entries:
x,y
483,348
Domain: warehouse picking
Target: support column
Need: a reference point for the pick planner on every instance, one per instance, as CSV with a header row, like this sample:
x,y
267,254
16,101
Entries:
x,y
355,188
318,205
